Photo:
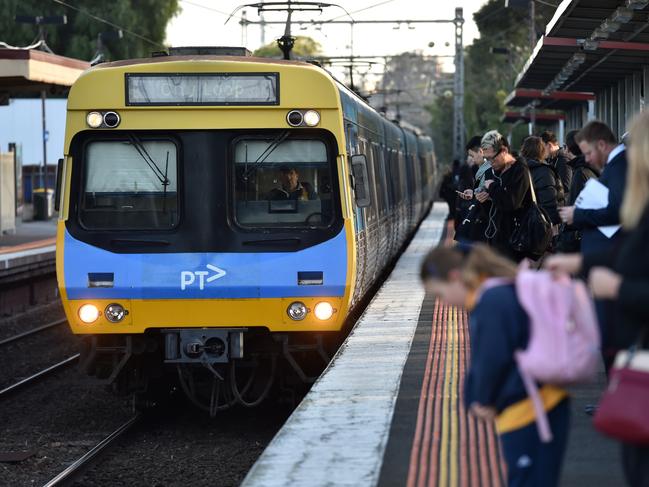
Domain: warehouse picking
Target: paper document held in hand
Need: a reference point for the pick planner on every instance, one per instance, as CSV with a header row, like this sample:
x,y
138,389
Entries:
x,y
594,196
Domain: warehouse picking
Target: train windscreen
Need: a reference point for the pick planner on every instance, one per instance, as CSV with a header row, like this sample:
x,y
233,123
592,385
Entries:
x,y
282,182
130,185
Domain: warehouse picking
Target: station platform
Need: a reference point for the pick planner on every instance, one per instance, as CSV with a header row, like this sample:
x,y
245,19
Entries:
x,y
34,242
29,234
388,410
28,267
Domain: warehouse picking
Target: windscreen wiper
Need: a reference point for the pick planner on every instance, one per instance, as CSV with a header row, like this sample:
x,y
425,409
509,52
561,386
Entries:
x,y
275,143
139,147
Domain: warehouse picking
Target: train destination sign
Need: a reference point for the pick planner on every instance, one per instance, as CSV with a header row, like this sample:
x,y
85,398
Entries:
x,y
177,89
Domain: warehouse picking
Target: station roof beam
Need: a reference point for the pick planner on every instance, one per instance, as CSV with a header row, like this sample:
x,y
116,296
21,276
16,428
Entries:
x,y
593,42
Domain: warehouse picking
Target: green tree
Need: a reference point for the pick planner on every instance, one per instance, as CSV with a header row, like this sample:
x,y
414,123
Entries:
x,y
304,47
489,77
442,127
78,38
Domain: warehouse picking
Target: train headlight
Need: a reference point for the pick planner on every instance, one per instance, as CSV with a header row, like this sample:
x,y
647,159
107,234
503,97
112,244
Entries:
x,y
297,311
115,312
323,311
311,118
89,313
94,120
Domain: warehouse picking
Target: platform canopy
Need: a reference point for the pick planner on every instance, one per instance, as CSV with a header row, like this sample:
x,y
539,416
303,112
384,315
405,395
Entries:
x,y
556,100
543,119
589,45
27,72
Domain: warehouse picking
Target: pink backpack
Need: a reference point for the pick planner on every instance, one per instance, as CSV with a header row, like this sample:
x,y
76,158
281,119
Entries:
x,y
563,348
564,342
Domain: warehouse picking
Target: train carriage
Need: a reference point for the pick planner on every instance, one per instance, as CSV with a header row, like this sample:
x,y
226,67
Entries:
x,y
223,210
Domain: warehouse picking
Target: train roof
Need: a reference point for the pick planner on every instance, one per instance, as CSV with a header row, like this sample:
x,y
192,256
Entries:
x,y
201,57
141,64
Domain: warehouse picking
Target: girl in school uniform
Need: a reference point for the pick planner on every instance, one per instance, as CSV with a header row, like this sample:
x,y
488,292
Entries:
x,y
494,390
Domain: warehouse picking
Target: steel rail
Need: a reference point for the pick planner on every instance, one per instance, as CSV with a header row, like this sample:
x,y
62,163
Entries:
x,y
33,331
38,375
84,462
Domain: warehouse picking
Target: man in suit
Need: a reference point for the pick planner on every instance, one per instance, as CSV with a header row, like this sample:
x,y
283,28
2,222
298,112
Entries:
x,y
601,150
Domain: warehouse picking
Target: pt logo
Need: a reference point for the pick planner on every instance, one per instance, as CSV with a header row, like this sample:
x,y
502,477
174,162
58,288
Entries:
x,y
187,278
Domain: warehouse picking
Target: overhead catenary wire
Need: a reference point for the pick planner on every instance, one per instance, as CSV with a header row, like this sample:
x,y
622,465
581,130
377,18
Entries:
x,y
108,22
357,11
212,9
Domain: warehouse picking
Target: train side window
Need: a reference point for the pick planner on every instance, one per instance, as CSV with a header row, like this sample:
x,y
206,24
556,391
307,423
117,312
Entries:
x,y
130,185
282,183
389,179
361,180
375,161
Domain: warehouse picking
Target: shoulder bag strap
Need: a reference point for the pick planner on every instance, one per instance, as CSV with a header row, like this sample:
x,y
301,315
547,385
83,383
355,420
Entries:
x,y
529,176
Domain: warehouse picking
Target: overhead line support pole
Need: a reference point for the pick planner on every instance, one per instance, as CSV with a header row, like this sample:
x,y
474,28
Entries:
x,y
458,82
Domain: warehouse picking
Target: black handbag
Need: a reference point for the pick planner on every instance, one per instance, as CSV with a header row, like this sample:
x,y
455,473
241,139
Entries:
x,y
533,233
569,240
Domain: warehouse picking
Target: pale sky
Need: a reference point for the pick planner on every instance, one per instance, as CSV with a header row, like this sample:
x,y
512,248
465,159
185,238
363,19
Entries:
x,y
197,25
201,23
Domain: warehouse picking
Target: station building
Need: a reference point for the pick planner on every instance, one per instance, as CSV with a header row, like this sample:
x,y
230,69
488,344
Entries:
x,y
592,62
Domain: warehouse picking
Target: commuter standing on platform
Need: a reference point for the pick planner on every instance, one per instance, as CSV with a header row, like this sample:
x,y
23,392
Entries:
x,y
621,275
509,193
598,143
602,152
546,185
483,166
463,180
570,237
474,223
558,162
494,389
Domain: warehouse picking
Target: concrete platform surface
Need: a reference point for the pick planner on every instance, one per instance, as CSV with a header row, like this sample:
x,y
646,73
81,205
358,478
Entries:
x,y
29,232
388,410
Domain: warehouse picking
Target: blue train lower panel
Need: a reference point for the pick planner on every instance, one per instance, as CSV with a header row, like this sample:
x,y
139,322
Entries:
x,y
91,272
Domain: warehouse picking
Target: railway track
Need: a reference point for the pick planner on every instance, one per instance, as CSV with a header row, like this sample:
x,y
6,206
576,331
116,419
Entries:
x,y
33,331
83,463
34,378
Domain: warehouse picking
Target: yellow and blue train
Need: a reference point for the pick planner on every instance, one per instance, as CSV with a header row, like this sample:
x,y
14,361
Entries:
x,y
220,214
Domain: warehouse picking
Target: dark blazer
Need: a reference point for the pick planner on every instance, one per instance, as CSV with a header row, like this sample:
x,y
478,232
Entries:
x,y
614,178
510,197
630,259
546,188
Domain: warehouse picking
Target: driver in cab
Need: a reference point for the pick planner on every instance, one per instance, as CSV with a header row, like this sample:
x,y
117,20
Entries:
x,y
292,188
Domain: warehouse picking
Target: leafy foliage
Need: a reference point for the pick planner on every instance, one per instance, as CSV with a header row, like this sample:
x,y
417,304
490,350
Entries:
x,y
489,77
78,38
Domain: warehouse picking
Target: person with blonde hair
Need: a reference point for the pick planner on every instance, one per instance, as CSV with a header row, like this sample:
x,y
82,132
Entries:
x,y
494,389
622,277
509,192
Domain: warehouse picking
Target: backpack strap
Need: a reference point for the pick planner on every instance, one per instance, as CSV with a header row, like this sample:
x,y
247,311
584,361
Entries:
x,y
542,422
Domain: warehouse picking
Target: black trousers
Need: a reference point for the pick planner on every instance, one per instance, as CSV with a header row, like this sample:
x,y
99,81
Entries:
x,y
635,460
531,463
